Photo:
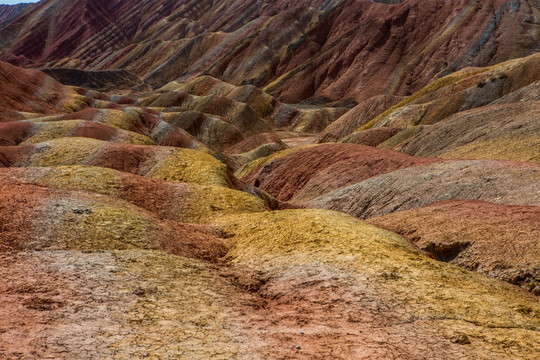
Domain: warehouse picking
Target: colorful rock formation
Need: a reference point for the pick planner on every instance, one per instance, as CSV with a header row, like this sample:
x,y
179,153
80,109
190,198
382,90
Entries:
x,y
283,179
9,12
309,172
497,240
314,49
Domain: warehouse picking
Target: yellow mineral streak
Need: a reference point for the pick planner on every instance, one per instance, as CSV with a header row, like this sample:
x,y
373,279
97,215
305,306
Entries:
x,y
86,178
88,222
186,203
259,163
64,151
185,165
517,149
432,290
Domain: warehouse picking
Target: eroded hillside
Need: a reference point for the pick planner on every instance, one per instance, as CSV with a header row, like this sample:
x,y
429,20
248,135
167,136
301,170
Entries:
x,y
172,199
324,50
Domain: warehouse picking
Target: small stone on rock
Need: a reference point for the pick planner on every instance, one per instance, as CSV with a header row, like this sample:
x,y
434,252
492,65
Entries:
x,y
461,339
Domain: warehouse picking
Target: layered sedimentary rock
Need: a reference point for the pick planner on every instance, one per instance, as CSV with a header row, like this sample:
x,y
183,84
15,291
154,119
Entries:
x,y
310,172
183,209
104,80
29,91
478,113
314,49
504,131
358,116
500,182
9,12
498,240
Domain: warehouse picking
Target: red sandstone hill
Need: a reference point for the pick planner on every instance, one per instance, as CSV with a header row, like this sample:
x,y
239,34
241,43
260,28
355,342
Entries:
x,y
295,50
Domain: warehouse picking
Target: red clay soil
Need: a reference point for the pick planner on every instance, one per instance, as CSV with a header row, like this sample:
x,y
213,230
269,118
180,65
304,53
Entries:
x,y
321,313
12,155
12,133
126,158
333,49
497,240
86,114
372,137
144,124
21,212
254,142
176,138
160,197
500,182
95,131
311,172
188,240
364,48
357,116
18,203
19,89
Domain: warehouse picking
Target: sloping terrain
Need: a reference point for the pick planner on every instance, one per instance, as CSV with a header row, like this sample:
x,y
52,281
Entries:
x,y
113,244
480,113
9,12
104,80
511,132
501,241
312,171
285,179
27,91
502,182
314,49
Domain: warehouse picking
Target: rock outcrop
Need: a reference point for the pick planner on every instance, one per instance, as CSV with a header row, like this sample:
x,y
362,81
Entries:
x,y
310,172
8,13
316,49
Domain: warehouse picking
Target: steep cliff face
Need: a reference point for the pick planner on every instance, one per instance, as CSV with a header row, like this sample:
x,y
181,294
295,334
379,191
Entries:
x,y
327,50
9,12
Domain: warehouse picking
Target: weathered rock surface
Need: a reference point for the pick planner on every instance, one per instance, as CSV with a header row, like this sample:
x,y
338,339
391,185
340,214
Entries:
x,y
341,276
314,49
500,241
104,80
512,81
9,12
375,136
312,171
502,131
500,182
32,91
367,290
127,232
356,117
